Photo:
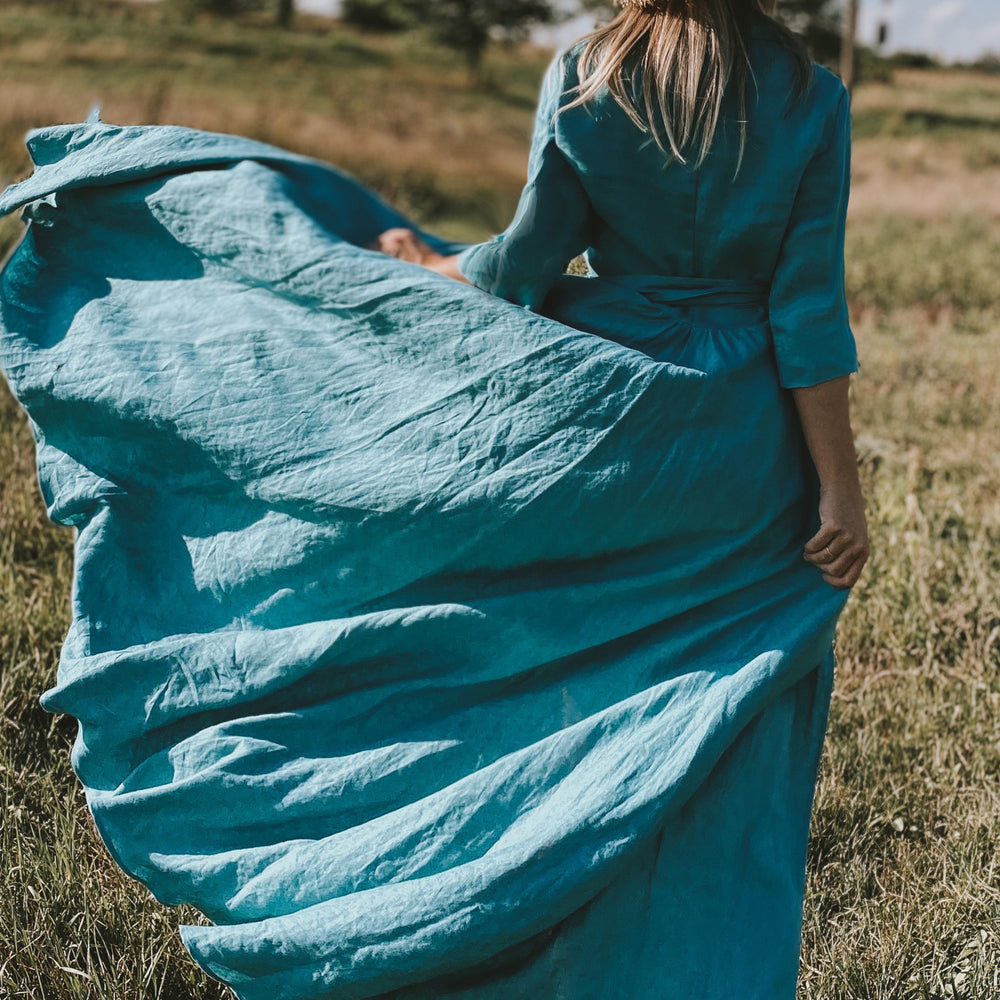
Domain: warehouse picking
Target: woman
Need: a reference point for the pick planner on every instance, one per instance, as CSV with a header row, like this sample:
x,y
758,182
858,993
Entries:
x,y
433,647
673,70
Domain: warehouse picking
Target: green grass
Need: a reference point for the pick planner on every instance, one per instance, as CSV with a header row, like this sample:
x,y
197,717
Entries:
x,y
896,262
903,896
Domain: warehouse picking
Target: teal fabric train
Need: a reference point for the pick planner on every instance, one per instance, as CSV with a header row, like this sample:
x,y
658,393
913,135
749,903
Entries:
x,y
430,646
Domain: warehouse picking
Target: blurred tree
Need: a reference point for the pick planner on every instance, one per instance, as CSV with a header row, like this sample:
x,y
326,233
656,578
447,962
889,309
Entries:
x,y
464,25
284,10
223,8
378,15
467,25
818,23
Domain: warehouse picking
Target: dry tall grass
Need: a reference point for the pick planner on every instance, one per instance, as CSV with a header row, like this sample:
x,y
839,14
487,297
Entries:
x,y
373,105
903,896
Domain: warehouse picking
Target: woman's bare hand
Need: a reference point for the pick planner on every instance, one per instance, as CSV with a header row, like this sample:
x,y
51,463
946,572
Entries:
x,y
405,244
840,548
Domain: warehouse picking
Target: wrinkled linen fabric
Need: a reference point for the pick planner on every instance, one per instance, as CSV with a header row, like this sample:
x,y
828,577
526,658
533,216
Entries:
x,y
430,646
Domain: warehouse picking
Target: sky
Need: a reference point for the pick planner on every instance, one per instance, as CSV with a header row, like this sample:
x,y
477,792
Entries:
x,y
951,29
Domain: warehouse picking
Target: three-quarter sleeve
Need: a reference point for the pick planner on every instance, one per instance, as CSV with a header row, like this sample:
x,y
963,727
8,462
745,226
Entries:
x,y
550,226
813,342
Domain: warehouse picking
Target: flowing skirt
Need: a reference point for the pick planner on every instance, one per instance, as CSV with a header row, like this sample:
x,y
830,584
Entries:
x,y
433,648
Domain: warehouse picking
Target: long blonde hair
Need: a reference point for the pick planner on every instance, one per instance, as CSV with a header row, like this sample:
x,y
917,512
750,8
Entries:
x,y
689,52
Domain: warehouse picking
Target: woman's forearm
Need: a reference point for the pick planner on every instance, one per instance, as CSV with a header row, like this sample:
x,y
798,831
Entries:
x,y
824,411
840,548
405,244
448,266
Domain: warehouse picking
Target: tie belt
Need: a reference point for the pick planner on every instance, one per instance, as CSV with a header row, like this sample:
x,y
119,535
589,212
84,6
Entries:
x,y
681,291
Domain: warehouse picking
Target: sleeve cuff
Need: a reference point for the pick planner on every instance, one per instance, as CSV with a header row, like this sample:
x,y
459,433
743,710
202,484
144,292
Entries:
x,y
799,371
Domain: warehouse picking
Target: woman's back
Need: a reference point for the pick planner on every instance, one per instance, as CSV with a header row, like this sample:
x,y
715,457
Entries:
x,y
725,218
772,213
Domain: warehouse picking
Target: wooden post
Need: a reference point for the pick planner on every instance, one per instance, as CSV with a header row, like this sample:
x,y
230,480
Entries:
x,y
847,43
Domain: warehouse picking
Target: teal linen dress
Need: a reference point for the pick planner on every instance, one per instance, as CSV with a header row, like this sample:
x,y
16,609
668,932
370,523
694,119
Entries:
x,y
434,647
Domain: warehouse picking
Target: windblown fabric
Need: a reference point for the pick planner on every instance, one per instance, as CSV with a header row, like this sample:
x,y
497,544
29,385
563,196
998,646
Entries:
x,y
429,646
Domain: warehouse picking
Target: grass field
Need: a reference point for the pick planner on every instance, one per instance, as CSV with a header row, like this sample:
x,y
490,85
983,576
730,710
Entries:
x,y
903,894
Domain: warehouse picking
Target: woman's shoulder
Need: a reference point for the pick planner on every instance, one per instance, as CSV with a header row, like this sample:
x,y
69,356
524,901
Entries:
x,y
566,61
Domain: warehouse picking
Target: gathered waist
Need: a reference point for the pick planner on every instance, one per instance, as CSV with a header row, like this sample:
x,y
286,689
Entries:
x,y
714,302
626,307
683,291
